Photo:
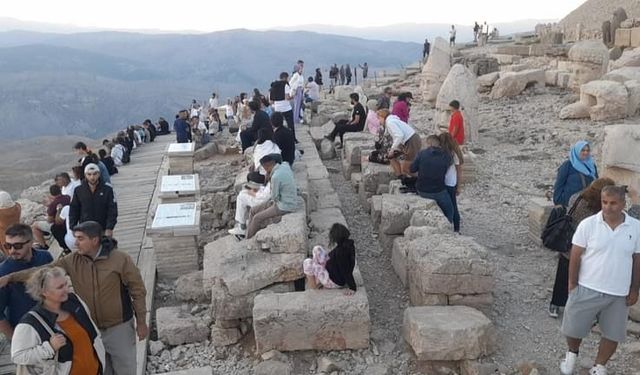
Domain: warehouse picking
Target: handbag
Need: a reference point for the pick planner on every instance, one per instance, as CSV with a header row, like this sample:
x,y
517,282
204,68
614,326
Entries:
x,y
558,231
28,369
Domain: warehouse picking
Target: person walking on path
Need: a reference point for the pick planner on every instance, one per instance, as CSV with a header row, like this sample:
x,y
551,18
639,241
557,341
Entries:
x,y
604,279
94,200
575,174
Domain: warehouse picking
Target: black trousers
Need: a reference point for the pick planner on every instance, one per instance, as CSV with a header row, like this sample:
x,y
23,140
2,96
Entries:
x,y
342,127
58,232
561,285
288,118
246,139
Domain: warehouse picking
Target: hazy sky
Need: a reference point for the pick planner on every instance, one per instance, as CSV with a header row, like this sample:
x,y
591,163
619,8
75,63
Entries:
x,y
213,15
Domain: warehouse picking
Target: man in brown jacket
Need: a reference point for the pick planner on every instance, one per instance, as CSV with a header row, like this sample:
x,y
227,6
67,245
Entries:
x,y
112,287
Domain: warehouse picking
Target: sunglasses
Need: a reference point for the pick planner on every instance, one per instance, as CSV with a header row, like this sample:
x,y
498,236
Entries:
x,y
16,245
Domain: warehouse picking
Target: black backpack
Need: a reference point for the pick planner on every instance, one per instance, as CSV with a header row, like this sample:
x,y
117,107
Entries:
x,y
126,156
558,231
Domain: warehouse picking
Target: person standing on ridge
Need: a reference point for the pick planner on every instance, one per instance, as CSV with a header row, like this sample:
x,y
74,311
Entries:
x,y
452,36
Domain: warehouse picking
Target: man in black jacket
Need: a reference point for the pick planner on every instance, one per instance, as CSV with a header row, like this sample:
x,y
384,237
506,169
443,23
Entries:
x,y
94,200
260,121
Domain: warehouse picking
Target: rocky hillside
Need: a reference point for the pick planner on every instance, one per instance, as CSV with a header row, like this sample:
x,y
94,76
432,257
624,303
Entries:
x,y
593,12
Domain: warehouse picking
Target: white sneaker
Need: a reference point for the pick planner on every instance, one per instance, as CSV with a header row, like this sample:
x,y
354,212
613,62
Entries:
x,y
237,231
598,370
568,363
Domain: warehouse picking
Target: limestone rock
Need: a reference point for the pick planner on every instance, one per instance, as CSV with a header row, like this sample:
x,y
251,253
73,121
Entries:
x,y
31,211
610,100
435,70
398,209
513,83
289,235
311,320
227,308
634,312
430,218
615,53
189,288
448,333
206,151
630,57
319,133
155,347
488,79
327,150
623,74
620,148
176,326
575,111
272,367
590,51
326,365
460,85
633,91
225,336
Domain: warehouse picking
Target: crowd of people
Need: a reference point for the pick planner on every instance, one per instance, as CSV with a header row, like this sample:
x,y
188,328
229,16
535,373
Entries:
x,y
79,313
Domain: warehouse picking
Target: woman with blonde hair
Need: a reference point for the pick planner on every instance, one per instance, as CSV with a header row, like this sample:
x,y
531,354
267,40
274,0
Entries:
x,y
57,336
405,145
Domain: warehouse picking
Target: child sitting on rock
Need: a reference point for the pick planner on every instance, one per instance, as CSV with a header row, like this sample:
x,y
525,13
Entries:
x,y
334,269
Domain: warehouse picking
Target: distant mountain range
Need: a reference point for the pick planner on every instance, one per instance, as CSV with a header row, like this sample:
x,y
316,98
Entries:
x,y
93,83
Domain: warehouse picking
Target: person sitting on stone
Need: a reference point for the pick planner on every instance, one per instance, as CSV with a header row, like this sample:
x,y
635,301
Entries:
x,y
40,228
148,126
118,152
284,138
254,193
311,91
9,214
284,194
373,122
384,101
164,126
67,186
108,162
264,146
260,121
402,106
334,269
356,124
431,165
405,144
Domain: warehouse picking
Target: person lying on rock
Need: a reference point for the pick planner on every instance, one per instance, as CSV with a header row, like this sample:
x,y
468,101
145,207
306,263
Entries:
x,y
255,193
284,194
334,269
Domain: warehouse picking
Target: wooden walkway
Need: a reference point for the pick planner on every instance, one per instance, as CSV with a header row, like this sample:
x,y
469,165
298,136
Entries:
x,y
135,189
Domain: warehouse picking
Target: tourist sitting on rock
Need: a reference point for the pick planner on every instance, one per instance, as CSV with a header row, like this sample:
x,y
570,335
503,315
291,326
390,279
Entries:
x,y
148,126
119,152
384,102
164,126
40,228
57,336
432,164
373,122
334,269
402,106
253,194
88,157
356,124
284,194
405,144
9,213
574,174
260,121
581,205
456,122
67,186
311,91
108,162
453,178
94,200
263,147
284,138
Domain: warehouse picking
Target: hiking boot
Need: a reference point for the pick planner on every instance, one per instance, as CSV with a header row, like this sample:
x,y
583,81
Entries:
x,y
569,363
598,370
237,231
554,311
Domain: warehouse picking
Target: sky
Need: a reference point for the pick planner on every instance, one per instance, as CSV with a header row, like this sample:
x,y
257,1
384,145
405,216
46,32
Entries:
x,y
215,15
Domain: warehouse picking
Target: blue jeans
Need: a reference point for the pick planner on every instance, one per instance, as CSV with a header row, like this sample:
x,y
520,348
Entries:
x,y
443,200
456,214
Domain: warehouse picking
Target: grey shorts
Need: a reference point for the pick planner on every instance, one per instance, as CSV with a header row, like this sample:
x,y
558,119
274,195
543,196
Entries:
x,y
585,305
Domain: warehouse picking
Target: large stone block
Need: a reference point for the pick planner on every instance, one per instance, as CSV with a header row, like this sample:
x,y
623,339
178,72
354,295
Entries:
x,y
635,37
609,100
287,236
322,219
353,143
397,211
435,70
627,73
448,333
460,85
447,264
311,320
176,326
228,262
189,288
513,83
399,258
621,147
175,255
539,210
375,174
225,307
433,218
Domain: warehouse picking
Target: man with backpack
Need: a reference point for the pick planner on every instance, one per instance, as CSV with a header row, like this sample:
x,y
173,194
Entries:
x,y
280,95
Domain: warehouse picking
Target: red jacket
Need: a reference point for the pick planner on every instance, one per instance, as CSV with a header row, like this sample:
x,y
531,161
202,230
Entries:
x,y
456,127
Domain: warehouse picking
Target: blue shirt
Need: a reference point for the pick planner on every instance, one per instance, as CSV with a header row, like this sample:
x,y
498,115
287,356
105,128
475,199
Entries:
x,y
283,187
182,131
432,165
14,300
568,182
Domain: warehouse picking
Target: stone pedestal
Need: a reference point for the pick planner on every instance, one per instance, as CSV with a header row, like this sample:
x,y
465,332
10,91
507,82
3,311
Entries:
x,y
539,210
181,158
180,188
174,233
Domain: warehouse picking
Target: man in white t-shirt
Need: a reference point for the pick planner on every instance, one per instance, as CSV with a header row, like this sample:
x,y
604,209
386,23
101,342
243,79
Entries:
x,y
604,278
312,91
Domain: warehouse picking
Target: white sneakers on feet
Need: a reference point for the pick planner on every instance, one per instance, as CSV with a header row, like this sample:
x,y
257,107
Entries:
x,y
237,231
598,370
569,363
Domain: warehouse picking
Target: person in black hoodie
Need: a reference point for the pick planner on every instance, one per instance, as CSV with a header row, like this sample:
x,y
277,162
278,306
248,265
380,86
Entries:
x,y
335,269
107,160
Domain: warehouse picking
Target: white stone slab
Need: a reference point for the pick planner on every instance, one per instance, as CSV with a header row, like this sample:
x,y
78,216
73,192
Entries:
x,y
176,217
179,185
181,149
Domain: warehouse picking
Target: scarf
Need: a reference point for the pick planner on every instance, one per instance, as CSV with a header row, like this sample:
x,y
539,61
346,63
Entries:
x,y
586,167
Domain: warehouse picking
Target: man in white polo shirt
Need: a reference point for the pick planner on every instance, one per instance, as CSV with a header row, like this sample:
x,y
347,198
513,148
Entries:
x,y
604,278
